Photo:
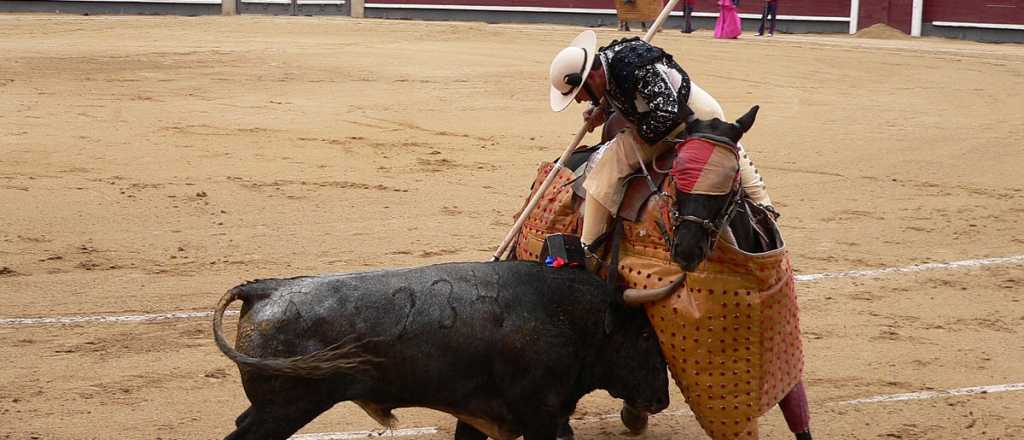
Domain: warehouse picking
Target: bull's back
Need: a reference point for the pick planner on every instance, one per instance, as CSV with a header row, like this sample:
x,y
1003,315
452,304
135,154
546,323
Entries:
x,y
429,321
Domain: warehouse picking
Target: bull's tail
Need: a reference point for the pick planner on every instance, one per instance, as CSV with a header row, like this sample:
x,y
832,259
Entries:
x,y
345,356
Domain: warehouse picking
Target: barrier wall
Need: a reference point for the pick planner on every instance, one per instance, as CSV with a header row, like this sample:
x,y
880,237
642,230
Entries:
x,y
1009,12
809,8
798,16
989,20
168,7
895,13
994,20
177,7
296,7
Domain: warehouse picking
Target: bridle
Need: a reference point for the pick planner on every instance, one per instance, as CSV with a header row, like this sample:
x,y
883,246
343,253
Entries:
x,y
713,226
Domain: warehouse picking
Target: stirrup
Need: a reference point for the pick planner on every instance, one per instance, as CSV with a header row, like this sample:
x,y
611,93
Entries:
x,y
592,260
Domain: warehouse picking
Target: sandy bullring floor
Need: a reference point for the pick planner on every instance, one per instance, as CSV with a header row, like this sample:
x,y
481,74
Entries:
x,y
149,164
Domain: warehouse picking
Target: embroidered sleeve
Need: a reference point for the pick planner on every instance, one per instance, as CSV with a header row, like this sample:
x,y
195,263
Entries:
x,y
665,113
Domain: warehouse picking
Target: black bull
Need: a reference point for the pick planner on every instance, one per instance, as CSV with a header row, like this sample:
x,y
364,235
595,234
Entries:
x,y
508,348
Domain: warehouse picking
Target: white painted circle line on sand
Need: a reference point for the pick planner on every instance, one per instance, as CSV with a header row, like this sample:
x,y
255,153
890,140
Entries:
x,y
61,320
404,432
919,395
962,264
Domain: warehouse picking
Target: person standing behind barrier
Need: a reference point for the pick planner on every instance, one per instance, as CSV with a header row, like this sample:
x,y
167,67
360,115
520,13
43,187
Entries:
x,y
771,8
687,15
636,10
728,24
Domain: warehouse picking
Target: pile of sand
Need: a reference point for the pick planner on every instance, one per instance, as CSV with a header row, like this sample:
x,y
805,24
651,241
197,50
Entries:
x,y
882,31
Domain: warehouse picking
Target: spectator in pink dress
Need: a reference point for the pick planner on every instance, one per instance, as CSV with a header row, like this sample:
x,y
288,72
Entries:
x,y
728,24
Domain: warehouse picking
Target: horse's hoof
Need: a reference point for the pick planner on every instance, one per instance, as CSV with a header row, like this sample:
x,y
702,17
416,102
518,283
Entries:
x,y
634,420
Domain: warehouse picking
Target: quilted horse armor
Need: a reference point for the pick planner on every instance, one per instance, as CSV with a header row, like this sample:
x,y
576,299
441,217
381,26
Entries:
x,y
730,333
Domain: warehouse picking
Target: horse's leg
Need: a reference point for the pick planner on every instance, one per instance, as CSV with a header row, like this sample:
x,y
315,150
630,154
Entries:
x,y
795,410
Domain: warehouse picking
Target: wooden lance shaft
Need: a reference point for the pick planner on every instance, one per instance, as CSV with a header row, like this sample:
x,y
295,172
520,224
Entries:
x,y
568,151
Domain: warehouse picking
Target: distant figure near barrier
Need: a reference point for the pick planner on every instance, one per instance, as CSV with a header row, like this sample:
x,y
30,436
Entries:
x,y
687,17
728,24
769,12
637,10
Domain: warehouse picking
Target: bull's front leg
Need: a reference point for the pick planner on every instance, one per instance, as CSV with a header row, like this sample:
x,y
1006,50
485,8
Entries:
x,y
547,418
633,419
465,431
565,430
544,429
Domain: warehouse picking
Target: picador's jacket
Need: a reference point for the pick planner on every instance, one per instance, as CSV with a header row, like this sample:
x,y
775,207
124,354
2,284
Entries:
x,y
633,71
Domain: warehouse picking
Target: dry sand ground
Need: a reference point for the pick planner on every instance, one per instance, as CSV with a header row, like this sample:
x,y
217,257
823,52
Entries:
x,y
148,164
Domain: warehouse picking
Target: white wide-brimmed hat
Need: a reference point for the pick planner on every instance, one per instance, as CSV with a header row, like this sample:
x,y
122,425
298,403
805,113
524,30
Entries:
x,y
570,68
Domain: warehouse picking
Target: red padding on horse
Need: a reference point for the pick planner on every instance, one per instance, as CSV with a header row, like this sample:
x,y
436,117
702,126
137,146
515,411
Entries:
x,y
703,167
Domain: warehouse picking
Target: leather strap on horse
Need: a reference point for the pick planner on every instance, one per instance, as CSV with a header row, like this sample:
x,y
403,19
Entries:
x,y
664,220
613,264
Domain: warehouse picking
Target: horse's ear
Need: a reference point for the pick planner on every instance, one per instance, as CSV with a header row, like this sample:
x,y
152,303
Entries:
x,y
746,121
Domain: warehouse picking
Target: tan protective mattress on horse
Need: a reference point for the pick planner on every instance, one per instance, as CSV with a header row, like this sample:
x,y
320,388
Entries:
x,y
730,334
731,337
556,213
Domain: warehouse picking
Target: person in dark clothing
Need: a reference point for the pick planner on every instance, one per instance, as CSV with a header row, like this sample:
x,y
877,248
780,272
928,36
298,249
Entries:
x,y
771,8
687,17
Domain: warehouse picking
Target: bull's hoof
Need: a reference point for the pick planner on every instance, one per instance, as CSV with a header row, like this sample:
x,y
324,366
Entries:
x,y
634,420
565,432
806,435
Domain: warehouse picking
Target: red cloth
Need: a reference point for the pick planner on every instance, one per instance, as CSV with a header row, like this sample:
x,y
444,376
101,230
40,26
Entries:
x,y
729,23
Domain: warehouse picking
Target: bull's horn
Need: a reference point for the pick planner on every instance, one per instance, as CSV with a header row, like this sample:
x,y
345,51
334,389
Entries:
x,y
635,297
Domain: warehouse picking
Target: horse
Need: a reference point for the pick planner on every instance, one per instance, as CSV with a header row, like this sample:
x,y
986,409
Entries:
x,y
682,222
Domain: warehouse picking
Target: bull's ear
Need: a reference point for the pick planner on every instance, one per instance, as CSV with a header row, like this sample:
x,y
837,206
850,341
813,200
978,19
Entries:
x,y
746,121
